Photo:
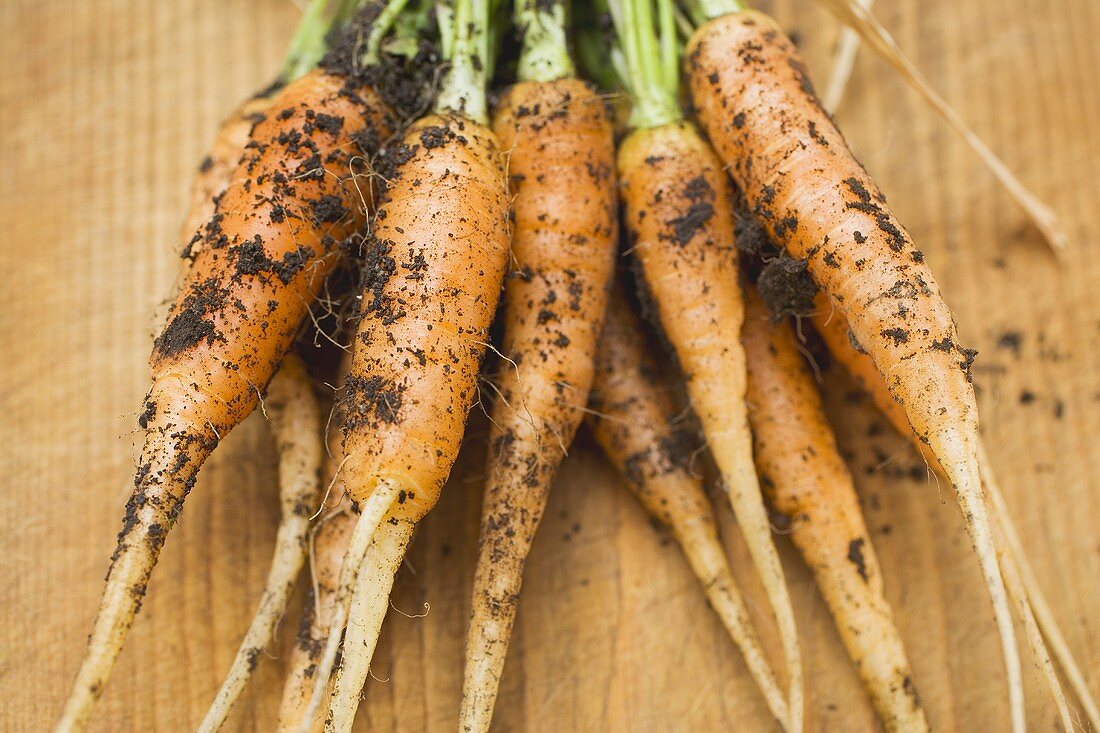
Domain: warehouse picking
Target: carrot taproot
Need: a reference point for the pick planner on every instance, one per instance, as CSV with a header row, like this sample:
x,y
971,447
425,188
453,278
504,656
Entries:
x,y
632,418
296,424
807,481
1033,606
679,221
561,164
329,544
375,576
754,99
435,265
299,190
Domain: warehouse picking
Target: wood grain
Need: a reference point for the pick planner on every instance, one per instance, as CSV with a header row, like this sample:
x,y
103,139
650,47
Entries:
x,y
105,109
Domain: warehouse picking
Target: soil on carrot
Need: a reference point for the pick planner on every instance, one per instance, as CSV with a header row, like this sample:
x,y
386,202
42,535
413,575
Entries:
x,y
404,82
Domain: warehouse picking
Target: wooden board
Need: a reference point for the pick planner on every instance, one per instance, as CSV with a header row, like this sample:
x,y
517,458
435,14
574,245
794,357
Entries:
x,y
106,108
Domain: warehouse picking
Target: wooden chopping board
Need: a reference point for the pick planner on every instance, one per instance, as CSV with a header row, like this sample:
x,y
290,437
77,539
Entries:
x,y
106,108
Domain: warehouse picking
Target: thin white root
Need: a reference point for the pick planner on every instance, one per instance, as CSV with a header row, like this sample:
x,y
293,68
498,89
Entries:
x,y
1035,639
288,559
368,610
168,466
373,511
295,422
843,63
960,463
1037,600
858,17
748,506
707,559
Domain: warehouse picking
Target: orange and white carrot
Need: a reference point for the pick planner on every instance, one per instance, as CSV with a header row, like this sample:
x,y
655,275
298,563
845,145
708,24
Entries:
x,y
436,263
561,163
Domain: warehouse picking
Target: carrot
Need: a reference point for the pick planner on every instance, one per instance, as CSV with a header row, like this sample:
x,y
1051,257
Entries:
x,y
561,165
676,202
264,255
1033,606
295,421
435,266
755,101
632,418
806,480
327,544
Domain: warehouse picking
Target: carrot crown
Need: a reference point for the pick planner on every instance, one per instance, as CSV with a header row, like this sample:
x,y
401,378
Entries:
x,y
545,52
648,60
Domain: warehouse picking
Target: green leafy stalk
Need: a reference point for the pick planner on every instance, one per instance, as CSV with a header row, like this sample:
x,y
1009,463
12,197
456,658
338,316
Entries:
x,y
381,26
703,10
545,53
651,73
445,19
463,89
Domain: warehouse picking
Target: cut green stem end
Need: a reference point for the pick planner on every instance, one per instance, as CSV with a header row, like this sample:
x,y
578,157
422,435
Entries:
x,y
545,53
463,89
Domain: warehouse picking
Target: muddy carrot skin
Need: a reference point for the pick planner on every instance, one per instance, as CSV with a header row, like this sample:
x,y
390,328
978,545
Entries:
x,y
257,264
807,481
632,418
217,167
755,101
561,166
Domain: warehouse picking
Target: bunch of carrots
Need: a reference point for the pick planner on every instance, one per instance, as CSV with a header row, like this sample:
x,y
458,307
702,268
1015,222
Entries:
x,y
374,184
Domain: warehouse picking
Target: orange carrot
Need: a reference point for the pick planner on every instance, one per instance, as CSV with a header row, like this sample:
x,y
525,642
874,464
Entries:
x,y
257,264
1029,596
755,101
441,242
676,202
806,480
632,419
435,267
561,164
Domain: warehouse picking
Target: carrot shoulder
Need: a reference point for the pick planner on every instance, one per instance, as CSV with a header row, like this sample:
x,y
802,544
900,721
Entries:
x,y
807,481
